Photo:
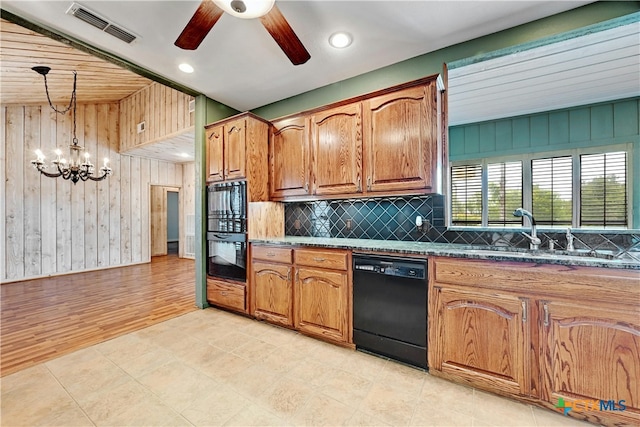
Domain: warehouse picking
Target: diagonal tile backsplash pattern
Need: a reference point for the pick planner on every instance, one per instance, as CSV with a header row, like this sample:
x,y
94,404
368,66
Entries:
x,y
395,218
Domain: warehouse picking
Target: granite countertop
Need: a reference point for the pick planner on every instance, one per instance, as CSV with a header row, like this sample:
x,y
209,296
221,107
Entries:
x,y
460,251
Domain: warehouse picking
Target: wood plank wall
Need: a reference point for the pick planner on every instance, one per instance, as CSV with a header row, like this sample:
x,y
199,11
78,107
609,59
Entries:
x,y
164,110
51,226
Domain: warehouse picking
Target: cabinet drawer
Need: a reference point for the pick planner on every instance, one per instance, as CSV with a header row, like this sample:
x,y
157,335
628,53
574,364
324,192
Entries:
x,y
226,294
335,260
271,253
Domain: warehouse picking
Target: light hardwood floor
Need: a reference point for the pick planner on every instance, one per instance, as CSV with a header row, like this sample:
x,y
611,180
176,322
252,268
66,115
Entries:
x,y
45,318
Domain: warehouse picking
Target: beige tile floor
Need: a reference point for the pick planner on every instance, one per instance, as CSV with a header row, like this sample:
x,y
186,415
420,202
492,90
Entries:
x,y
210,367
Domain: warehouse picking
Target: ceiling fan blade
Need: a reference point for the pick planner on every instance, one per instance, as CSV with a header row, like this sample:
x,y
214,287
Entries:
x,y
283,34
199,25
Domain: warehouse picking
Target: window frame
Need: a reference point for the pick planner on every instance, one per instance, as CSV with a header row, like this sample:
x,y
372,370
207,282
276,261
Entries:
x,y
527,196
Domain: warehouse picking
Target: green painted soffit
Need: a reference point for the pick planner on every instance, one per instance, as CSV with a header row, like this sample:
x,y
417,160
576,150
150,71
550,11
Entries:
x,y
431,63
215,110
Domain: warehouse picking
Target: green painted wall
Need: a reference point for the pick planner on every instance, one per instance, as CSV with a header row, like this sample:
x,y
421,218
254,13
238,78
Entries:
x,y
431,63
608,123
594,125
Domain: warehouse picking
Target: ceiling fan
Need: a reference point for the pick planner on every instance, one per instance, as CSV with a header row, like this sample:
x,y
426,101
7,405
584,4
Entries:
x,y
272,19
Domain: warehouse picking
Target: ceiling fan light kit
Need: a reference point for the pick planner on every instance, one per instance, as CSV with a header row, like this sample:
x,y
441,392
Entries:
x,y
245,9
209,11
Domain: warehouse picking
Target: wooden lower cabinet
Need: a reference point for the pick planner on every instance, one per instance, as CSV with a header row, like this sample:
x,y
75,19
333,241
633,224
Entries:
x,y
591,355
227,294
306,289
273,292
481,338
548,334
322,298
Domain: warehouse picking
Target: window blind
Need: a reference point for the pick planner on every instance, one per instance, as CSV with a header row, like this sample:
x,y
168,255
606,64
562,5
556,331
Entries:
x,y
552,190
466,195
603,190
504,192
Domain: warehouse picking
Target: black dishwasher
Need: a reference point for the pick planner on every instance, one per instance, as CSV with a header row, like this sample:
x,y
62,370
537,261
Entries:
x,y
390,307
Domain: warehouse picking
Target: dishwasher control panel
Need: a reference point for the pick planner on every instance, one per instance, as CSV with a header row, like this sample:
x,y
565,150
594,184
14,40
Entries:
x,y
391,267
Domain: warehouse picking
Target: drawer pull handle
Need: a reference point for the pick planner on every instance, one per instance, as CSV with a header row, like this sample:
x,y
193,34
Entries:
x,y
271,254
318,259
524,311
224,293
545,307
289,274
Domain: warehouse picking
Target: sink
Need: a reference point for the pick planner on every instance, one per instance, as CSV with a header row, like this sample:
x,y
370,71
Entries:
x,y
518,252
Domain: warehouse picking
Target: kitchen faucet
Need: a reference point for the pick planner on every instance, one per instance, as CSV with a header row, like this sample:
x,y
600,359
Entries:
x,y
534,241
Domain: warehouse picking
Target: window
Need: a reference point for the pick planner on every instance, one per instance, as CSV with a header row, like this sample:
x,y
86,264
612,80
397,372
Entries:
x,y
574,189
552,190
466,195
504,192
603,189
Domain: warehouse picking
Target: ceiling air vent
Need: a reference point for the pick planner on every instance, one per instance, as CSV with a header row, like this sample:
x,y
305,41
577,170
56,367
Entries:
x,y
90,17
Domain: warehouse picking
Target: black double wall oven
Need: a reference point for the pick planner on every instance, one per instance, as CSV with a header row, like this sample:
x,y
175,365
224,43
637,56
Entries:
x,y
227,230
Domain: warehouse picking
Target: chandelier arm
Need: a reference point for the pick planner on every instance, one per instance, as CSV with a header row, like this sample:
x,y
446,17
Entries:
x,y
50,174
98,178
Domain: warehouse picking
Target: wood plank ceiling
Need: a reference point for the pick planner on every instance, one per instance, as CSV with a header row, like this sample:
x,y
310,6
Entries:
x,y
98,81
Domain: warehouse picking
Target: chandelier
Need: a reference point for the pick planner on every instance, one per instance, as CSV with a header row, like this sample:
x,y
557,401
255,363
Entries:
x,y
78,167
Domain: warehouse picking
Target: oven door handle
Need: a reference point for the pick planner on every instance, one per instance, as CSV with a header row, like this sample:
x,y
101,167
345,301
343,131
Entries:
x,y
224,237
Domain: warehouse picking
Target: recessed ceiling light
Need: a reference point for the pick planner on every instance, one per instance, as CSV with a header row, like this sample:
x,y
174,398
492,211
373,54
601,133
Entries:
x,y
185,68
340,40
184,155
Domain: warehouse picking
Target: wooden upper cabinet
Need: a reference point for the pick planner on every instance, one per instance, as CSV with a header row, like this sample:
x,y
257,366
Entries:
x,y
215,153
401,137
237,149
289,158
337,150
234,149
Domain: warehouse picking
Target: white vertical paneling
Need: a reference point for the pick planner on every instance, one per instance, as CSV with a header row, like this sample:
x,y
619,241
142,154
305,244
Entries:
x,y
187,201
154,172
32,236
48,200
77,206
14,246
3,174
114,186
91,188
63,200
102,203
125,209
145,210
136,211
52,226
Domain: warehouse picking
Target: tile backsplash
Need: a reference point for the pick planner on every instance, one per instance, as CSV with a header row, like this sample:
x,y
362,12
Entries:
x,y
394,218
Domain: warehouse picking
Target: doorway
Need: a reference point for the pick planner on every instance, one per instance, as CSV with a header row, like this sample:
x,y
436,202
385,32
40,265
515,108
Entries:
x,y
165,220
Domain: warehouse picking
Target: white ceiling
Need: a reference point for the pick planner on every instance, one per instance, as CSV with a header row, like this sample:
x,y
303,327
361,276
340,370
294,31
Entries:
x,y
596,67
240,65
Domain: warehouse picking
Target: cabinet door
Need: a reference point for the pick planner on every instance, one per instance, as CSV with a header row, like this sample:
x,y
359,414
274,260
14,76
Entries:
x,y
589,357
400,134
337,150
322,303
234,150
289,158
273,292
480,338
215,159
